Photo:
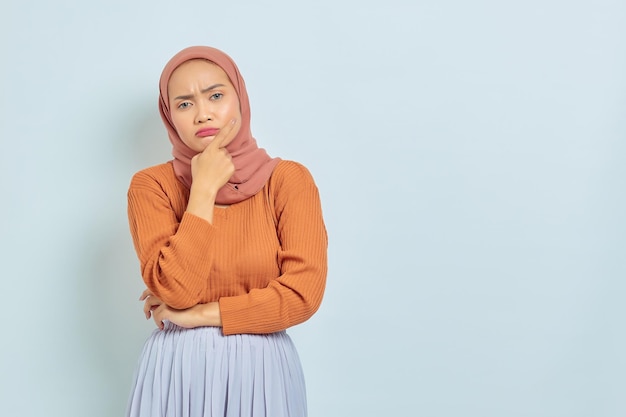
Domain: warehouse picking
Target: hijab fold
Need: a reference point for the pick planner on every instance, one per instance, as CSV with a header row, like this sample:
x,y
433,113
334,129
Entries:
x,y
253,166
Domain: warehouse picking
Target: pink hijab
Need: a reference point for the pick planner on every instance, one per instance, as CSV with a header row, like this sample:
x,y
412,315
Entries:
x,y
253,166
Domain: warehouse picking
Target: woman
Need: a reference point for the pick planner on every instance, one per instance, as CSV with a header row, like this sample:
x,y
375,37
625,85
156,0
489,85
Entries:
x,y
233,251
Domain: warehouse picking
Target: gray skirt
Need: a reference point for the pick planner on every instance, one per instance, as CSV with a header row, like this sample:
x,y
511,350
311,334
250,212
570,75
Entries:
x,y
202,373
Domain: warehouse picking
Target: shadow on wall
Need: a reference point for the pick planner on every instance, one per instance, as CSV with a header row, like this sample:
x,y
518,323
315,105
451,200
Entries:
x,y
111,322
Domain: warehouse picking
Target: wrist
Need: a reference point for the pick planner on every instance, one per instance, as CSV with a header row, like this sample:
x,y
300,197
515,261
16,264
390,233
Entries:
x,y
202,191
201,203
210,314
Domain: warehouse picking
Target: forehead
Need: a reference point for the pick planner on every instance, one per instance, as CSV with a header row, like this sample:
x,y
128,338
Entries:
x,y
197,72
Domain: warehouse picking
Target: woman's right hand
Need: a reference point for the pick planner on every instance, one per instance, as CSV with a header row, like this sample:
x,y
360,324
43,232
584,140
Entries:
x,y
199,315
212,168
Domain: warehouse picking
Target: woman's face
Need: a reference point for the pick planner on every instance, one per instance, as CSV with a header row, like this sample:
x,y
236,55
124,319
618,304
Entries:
x,y
202,101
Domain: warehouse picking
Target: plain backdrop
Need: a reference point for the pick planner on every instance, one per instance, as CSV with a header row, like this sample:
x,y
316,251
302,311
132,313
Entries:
x,y
471,160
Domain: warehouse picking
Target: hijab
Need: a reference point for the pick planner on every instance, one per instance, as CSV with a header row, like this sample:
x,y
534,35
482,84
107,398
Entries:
x,y
253,166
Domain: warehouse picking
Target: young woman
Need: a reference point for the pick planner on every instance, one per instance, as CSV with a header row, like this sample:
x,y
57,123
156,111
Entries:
x,y
233,250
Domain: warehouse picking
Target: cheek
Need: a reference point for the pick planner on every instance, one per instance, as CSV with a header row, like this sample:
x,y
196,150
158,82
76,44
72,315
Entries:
x,y
179,123
234,108
234,135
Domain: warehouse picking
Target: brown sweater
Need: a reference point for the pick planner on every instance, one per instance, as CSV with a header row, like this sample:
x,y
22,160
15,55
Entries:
x,y
264,259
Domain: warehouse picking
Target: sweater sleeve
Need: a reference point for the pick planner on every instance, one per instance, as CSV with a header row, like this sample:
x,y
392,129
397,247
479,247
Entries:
x,y
174,255
297,293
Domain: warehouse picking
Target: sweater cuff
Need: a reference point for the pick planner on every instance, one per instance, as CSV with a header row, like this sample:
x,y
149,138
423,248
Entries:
x,y
233,317
192,226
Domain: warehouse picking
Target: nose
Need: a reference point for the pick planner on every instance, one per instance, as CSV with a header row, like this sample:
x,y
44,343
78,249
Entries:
x,y
203,113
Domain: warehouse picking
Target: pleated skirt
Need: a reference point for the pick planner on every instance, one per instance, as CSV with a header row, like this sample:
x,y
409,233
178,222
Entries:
x,y
202,373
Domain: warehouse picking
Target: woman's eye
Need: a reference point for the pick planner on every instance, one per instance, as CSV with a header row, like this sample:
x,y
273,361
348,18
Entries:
x,y
184,105
216,96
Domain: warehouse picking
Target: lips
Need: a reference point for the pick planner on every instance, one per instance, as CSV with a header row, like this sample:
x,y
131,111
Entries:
x,y
209,131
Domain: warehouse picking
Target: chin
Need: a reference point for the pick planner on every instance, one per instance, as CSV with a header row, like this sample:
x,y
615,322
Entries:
x,y
197,145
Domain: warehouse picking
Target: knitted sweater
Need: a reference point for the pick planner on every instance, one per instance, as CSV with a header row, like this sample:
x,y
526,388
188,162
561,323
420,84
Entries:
x,y
264,259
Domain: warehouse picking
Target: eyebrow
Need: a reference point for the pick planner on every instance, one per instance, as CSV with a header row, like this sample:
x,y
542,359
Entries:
x,y
205,90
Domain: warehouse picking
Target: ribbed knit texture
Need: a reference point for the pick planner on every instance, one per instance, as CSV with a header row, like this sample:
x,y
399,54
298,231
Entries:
x,y
264,259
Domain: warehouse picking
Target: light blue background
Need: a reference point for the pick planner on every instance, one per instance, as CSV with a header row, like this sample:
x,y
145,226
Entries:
x,y
471,159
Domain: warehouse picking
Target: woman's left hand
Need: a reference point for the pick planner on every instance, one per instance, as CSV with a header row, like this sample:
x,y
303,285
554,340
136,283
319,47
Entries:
x,y
198,315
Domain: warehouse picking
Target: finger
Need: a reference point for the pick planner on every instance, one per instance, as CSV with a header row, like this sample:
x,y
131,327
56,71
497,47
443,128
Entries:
x,y
158,322
223,135
147,308
158,317
145,294
151,304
